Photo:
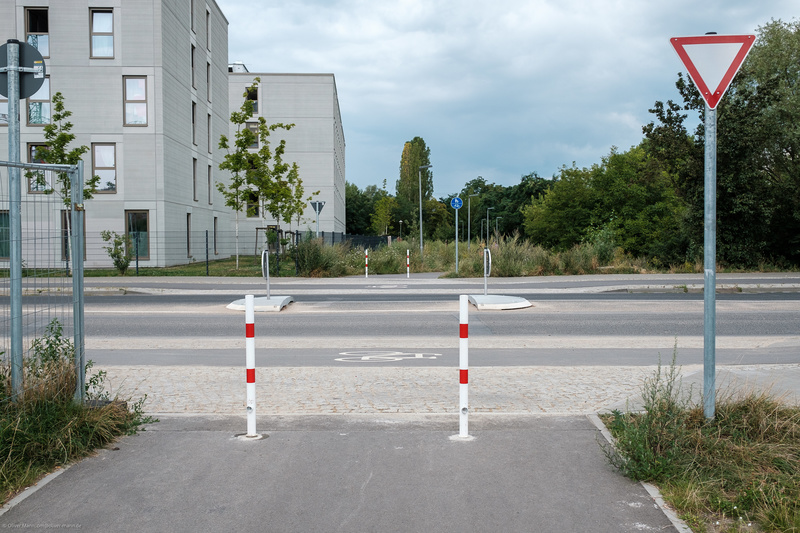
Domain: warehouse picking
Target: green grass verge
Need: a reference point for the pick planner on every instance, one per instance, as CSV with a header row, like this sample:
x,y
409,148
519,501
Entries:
x,y
43,428
737,472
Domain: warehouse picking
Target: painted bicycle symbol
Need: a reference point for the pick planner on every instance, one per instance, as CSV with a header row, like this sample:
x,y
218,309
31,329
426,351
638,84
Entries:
x,y
382,356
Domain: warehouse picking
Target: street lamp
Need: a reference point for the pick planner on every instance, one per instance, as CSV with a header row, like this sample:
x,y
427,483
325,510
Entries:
x,y
421,168
469,216
487,225
401,230
496,234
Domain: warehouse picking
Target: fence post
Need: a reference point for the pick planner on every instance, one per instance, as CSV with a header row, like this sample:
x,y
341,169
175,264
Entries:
x,y
76,192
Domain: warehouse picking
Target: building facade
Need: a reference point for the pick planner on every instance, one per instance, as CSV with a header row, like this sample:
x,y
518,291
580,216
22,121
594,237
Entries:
x,y
316,142
149,88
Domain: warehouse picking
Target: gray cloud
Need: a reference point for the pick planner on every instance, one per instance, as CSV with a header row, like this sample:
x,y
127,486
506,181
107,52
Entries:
x,y
498,88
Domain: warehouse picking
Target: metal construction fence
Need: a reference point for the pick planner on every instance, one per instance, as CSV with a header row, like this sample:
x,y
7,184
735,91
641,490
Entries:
x,y
149,249
41,288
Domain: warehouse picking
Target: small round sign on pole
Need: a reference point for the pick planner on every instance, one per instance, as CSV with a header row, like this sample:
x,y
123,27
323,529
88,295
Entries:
x,y
456,204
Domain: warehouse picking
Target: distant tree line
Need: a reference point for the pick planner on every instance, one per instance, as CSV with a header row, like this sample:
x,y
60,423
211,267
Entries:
x,y
647,200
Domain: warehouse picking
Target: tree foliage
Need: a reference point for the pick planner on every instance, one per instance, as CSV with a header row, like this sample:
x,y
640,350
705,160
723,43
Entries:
x,y
58,136
415,154
257,170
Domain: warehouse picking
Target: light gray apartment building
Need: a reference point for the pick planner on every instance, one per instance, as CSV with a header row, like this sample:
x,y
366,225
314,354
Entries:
x,y
316,142
148,84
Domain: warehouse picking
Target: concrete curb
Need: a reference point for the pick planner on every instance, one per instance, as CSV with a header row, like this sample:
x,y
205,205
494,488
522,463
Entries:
x,y
262,303
497,302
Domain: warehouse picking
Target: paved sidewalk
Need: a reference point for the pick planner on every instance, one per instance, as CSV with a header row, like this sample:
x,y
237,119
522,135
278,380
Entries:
x,y
523,390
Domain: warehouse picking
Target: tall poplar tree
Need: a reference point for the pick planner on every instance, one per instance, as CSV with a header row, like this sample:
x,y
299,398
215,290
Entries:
x,y
415,154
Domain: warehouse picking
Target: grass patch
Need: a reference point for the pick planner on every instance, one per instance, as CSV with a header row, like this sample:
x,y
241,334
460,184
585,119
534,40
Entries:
x,y
43,428
737,472
511,257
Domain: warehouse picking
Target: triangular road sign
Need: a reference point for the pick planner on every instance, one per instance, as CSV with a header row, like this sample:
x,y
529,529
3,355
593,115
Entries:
x,y
712,61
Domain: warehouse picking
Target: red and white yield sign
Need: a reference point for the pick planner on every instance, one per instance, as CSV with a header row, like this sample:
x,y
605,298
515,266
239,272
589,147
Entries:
x,y
712,61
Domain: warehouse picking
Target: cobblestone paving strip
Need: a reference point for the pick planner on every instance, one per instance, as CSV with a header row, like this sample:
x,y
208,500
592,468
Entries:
x,y
366,390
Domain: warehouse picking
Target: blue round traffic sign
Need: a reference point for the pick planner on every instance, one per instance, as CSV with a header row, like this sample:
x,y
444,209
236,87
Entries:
x,y
456,203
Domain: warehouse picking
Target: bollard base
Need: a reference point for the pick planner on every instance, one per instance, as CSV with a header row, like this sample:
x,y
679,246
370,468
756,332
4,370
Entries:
x,y
246,437
459,438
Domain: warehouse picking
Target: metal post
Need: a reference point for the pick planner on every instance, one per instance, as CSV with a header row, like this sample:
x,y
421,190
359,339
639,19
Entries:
x,y
250,363
265,267
15,217
206,253
469,218
456,241
77,220
366,262
408,263
486,271
710,264
463,364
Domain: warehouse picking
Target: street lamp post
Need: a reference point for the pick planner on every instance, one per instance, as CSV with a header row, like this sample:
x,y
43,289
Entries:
x,y
469,217
487,224
401,230
496,234
421,168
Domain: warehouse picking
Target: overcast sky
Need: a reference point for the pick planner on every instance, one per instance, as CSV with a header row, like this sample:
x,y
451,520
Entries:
x,y
497,88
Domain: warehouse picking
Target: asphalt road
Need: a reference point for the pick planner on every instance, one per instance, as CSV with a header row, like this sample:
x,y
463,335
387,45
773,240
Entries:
x,y
636,321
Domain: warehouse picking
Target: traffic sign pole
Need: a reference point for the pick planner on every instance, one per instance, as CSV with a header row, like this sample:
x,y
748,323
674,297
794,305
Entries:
x,y
712,62
15,218
456,204
710,265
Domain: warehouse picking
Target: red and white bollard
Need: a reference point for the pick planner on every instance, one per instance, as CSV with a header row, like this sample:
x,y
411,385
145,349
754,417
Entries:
x,y
408,264
463,363
250,355
366,262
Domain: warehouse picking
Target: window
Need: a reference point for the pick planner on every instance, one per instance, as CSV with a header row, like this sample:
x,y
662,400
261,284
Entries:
x,y
194,178
252,96
136,227
194,78
135,99
208,30
191,13
252,204
3,111
104,164
38,181
39,105
216,251
210,137
102,33
253,126
65,230
188,235
208,81
36,30
210,189
194,123
5,234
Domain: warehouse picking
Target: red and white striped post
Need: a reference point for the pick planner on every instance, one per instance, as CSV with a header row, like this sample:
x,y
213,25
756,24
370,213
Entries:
x,y
408,264
250,355
366,262
463,360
